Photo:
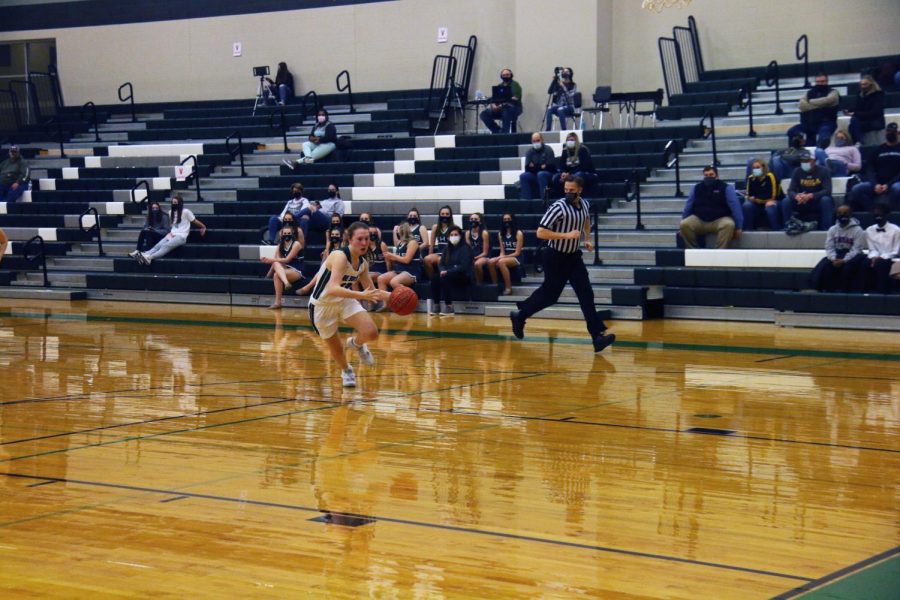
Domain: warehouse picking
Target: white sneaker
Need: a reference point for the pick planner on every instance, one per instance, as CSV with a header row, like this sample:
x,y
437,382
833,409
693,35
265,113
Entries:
x,y
144,259
288,163
348,377
365,355
448,311
134,254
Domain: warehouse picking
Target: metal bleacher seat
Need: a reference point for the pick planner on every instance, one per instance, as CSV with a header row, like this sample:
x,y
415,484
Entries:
x,y
601,97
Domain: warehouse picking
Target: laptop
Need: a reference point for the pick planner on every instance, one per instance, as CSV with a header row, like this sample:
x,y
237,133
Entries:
x,y
501,93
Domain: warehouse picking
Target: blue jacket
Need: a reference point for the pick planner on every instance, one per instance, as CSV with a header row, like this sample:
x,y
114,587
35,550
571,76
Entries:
x,y
731,200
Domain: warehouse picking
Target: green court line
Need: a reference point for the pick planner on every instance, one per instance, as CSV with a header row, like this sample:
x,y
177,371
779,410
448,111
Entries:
x,y
581,341
876,578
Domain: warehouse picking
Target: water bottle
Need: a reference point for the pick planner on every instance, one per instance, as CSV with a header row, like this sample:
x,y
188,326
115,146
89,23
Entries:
x,y
479,95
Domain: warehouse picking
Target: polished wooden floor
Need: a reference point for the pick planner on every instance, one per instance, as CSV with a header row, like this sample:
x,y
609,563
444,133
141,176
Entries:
x,y
204,452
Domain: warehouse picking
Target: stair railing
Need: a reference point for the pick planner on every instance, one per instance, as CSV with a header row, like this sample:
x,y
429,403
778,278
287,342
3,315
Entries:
x,y
40,255
95,226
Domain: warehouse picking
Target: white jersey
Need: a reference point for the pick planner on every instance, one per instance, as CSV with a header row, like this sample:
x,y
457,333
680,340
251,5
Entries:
x,y
320,294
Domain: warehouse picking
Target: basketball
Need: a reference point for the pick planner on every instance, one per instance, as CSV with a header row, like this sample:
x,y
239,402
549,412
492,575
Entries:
x,y
403,300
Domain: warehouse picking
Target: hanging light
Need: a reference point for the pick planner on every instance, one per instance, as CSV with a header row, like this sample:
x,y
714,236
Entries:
x,y
659,5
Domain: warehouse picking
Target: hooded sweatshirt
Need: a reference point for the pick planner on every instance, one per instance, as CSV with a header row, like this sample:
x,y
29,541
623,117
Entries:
x,y
844,242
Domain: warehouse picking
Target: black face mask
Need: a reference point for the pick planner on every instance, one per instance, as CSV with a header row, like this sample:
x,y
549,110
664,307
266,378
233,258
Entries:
x,y
891,137
366,221
506,79
709,181
287,237
444,219
880,220
332,194
335,225
507,223
335,240
412,220
374,237
298,195
571,196
155,210
474,224
287,222
844,220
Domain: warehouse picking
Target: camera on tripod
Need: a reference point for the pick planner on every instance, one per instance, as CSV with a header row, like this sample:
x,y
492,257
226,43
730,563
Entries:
x,y
261,71
557,71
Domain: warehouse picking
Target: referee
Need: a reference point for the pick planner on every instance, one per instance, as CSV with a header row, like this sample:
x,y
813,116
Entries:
x,y
562,226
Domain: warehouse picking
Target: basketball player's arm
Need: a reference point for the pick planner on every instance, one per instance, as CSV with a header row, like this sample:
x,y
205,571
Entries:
x,y
369,289
337,264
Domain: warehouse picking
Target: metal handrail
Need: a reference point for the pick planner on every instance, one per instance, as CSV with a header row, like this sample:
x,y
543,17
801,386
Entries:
x,y
672,158
596,228
195,173
315,98
57,87
40,255
745,100
59,134
239,151
804,56
14,100
144,184
337,82
710,132
772,78
130,97
635,180
92,228
93,118
31,94
282,124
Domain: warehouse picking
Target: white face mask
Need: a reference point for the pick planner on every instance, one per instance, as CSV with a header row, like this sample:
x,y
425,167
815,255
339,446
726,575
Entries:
x,y
536,145
321,119
570,144
757,172
453,239
806,166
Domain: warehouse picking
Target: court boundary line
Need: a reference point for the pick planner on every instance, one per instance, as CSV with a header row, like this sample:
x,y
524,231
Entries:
x,y
843,573
645,345
400,521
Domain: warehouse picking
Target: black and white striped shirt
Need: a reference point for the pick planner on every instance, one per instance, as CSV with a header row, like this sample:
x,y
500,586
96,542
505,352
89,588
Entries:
x,y
562,217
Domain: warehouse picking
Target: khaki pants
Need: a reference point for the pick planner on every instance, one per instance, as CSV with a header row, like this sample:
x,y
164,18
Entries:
x,y
692,226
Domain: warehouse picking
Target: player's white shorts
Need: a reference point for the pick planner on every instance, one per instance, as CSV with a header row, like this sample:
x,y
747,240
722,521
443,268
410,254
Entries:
x,y
326,317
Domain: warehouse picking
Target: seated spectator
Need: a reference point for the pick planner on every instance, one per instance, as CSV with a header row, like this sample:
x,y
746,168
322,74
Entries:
x,y
4,243
540,164
318,214
155,228
785,161
562,102
438,239
841,157
712,207
838,271
455,271
478,237
322,141
334,237
818,111
761,198
809,204
576,161
507,110
286,268
182,218
13,176
367,218
375,257
294,206
403,262
868,112
283,86
417,230
511,241
884,179
883,241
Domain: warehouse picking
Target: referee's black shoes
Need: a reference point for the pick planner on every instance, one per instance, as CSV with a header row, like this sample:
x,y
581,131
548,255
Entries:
x,y
518,324
603,341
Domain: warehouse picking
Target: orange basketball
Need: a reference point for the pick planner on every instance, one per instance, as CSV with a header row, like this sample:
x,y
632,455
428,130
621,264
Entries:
x,y
403,300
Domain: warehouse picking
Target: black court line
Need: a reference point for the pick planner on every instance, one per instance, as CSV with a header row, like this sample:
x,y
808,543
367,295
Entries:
x,y
839,574
775,358
440,526
173,499
40,483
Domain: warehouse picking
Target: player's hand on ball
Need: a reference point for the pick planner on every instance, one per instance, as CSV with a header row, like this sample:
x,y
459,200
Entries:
x,y
373,295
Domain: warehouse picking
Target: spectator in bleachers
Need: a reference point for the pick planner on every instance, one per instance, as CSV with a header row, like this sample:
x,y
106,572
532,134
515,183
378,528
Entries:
x,y
294,206
841,157
511,240
883,241
317,215
868,113
455,271
761,198
818,111
540,164
13,176
375,257
155,228
809,204
286,268
507,110
843,254
478,237
785,161
334,237
4,242
403,263
562,102
576,161
884,179
182,218
369,220
322,140
438,239
712,207
283,86
417,230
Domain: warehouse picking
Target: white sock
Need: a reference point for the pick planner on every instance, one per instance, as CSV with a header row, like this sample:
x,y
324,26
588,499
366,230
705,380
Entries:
x,y
351,341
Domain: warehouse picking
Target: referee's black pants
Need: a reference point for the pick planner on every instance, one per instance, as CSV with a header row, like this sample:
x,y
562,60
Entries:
x,y
559,269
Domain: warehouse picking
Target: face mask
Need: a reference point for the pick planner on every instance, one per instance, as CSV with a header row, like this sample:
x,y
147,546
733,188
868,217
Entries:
x,y
844,220
298,194
335,225
537,145
507,223
156,210
757,172
287,237
806,166
840,142
570,144
332,194
321,119
374,237
366,221
287,222
709,181
821,86
506,78
412,220
453,239
174,207
880,220
891,137
335,240
443,219
570,196
474,224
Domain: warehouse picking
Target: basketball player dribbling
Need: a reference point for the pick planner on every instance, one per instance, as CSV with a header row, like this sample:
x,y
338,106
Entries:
x,y
333,300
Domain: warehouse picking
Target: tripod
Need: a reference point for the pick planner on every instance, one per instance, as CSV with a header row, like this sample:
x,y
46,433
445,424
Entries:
x,y
454,94
260,94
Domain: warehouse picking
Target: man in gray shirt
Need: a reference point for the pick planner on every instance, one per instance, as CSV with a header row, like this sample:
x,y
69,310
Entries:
x,y
13,176
540,164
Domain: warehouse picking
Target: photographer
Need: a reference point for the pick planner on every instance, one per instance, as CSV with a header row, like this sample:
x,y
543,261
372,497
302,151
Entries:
x,y
283,86
506,110
562,92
